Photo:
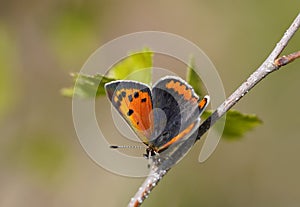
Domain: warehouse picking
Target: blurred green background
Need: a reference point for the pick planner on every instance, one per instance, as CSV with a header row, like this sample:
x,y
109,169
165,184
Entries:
x,y
41,160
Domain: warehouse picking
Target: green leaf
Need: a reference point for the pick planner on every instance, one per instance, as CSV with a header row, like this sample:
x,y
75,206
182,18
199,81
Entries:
x,y
237,124
193,79
87,86
137,66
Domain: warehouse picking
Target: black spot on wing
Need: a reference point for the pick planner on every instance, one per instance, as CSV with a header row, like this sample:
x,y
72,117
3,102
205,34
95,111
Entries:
x,y
130,98
120,97
130,112
123,94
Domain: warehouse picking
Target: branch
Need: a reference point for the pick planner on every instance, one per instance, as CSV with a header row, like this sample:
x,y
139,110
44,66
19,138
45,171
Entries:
x,y
286,59
270,65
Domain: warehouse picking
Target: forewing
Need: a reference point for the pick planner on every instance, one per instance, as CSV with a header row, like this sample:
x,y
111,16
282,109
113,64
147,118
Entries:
x,y
134,102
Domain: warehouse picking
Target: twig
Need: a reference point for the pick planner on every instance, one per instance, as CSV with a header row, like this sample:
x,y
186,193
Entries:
x,y
151,181
286,59
270,65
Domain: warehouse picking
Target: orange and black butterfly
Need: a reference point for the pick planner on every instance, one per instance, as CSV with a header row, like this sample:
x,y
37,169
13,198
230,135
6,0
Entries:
x,y
160,116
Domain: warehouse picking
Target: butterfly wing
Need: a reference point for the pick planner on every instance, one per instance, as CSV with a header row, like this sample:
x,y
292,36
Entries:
x,y
181,107
134,102
174,153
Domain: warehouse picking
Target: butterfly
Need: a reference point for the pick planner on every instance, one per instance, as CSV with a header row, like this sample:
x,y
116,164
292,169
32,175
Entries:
x,y
160,116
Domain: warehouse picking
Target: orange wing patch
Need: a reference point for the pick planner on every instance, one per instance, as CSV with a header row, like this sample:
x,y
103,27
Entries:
x,y
203,103
181,89
135,106
181,135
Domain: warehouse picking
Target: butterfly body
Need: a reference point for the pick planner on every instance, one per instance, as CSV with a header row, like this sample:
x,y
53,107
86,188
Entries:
x,y
160,116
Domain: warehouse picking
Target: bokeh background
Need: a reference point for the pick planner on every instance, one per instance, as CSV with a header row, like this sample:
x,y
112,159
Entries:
x,y
41,160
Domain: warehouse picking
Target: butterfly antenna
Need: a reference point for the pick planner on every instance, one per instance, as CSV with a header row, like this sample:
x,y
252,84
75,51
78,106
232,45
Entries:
x,y
125,146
